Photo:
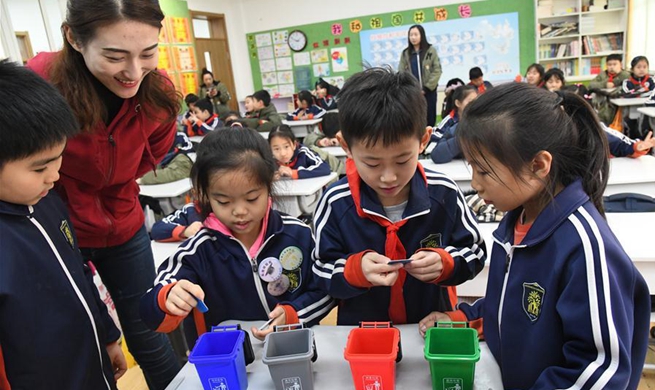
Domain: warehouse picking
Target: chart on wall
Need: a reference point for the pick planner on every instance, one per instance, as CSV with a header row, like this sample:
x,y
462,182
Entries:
x,y
490,42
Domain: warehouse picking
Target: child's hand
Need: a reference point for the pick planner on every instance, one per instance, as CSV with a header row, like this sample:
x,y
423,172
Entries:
x,y
426,266
192,229
285,171
376,270
430,319
117,359
647,143
182,298
333,141
610,84
277,176
279,318
323,142
193,118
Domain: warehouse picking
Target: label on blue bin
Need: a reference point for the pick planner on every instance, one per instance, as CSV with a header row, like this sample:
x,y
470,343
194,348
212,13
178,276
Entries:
x,y
453,383
218,384
372,382
292,383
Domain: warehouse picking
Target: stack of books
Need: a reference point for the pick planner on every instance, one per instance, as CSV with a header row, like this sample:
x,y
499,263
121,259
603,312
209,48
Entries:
x,y
558,29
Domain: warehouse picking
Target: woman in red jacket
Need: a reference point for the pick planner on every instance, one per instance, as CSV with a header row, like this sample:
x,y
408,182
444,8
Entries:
x,y
126,109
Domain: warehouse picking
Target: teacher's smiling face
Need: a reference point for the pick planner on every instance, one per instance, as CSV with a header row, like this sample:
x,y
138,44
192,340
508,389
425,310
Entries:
x,y
120,55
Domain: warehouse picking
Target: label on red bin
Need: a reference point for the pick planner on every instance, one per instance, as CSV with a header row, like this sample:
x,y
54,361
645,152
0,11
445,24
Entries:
x,y
218,384
372,382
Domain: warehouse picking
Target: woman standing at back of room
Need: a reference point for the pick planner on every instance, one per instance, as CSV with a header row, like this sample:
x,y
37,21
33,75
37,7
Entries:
x,y
421,59
126,109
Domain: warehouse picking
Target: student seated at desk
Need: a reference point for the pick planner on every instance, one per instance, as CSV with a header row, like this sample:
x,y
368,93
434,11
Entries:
x,y
263,116
476,77
623,146
295,161
55,331
554,80
249,262
575,312
326,94
190,101
606,85
307,108
179,225
203,120
389,208
446,147
176,164
639,81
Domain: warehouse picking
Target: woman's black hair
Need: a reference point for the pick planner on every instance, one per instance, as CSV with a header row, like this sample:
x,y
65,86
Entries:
x,y
191,98
515,121
539,68
282,131
332,90
554,72
460,93
202,76
423,45
307,97
637,60
228,150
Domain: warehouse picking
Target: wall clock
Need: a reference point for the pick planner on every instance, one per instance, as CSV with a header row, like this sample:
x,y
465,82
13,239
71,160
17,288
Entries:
x,y
297,40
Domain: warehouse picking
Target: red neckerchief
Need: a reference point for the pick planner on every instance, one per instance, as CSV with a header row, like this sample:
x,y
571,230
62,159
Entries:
x,y
211,118
610,76
393,248
482,88
452,113
641,83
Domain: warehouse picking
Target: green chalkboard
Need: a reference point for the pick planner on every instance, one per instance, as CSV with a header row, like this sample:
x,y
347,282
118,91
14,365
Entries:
x,y
332,45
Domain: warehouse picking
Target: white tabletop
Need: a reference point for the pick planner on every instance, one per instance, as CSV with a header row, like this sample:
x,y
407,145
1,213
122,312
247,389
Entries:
x,y
302,187
167,190
633,230
306,122
648,111
197,138
631,170
332,370
625,102
336,151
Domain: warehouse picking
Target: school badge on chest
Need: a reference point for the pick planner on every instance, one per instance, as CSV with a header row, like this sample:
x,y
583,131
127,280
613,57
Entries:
x,y
533,298
66,231
432,241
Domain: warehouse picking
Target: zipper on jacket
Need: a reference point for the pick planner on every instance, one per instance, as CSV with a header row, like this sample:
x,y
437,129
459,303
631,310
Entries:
x,y
255,273
112,159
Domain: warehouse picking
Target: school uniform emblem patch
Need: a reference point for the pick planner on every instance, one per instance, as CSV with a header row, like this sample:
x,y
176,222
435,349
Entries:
x,y
432,241
66,231
533,298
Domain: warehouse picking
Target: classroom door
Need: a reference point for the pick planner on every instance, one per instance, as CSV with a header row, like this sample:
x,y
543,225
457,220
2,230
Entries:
x,y
214,53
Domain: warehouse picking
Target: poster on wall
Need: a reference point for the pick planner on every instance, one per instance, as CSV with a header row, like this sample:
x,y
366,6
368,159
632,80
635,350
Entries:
x,y
285,77
301,59
319,55
282,50
339,59
490,42
267,66
185,58
265,53
321,70
263,40
337,81
287,89
272,90
280,37
283,63
269,78
165,59
180,28
189,83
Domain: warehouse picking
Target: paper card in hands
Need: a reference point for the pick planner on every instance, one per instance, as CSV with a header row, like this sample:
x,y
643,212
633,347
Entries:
x,y
402,261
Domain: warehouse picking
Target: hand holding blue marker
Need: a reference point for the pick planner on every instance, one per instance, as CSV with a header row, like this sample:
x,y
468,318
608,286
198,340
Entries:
x,y
201,306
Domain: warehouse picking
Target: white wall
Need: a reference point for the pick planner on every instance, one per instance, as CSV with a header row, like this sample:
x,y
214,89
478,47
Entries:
x,y
25,17
641,31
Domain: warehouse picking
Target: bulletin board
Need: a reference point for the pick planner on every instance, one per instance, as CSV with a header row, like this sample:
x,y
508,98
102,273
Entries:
x,y
337,49
177,53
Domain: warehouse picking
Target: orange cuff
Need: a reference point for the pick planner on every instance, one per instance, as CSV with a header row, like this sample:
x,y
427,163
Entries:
x,y
638,153
353,271
457,316
163,295
447,261
170,322
291,314
294,174
178,232
310,116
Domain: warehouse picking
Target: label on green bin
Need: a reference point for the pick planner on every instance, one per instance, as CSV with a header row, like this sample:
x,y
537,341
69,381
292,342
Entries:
x,y
372,382
453,383
292,383
218,384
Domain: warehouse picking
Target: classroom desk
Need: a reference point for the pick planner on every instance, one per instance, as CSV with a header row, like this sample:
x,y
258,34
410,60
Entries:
x,y
648,111
630,105
332,370
297,197
631,175
336,151
457,170
167,190
161,251
302,128
633,230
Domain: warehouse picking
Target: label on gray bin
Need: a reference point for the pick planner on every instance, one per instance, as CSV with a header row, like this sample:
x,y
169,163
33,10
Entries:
x,y
372,382
218,384
453,383
292,383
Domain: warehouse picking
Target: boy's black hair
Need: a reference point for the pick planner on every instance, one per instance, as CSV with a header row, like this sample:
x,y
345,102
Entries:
x,y
307,97
230,122
475,72
554,72
263,96
379,105
34,116
205,105
614,57
191,99
282,131
229,150
637,60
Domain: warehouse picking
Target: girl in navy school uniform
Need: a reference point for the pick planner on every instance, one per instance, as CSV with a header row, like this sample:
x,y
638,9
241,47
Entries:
x,y
295,161
307,108
565,307
535,75
249,262
447,148
639,81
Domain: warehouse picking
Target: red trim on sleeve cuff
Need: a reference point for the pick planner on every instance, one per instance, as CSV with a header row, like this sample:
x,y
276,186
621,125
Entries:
x,y
353,273
294,174
291,315
170,321
457,316
447,261
638,153
178,233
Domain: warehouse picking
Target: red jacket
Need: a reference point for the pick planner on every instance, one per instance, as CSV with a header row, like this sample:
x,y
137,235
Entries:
x,y
99,169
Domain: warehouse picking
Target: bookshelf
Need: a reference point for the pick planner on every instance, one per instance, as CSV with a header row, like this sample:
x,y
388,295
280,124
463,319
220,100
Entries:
x,y
577,35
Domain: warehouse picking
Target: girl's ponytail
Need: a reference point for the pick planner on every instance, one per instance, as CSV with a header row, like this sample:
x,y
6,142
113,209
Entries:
x,y
592,143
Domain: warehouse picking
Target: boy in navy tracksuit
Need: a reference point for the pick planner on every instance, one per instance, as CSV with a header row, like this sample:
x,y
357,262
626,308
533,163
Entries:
x,y
54,328
203,120
623,146
295,160
307,108
388,208
179,225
